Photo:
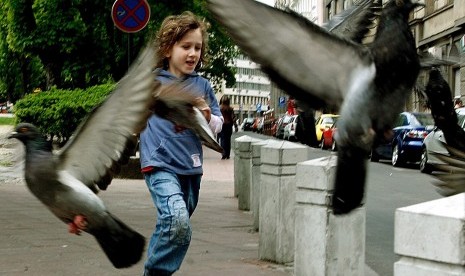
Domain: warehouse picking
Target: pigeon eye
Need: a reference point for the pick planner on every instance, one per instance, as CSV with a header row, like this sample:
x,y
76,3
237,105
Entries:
x,y
23,129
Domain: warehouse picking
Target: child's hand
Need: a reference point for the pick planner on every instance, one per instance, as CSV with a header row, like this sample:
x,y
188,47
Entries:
x,y
203,106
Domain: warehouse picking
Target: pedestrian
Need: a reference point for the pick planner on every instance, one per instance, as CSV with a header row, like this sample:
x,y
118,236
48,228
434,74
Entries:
x,y
171,157
226,131
291,109
458,103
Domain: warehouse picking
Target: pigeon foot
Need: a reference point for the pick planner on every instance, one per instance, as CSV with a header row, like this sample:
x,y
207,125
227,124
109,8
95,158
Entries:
x,y
77,225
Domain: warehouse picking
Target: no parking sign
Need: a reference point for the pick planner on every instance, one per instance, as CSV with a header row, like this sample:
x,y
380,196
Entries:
x,y
130,16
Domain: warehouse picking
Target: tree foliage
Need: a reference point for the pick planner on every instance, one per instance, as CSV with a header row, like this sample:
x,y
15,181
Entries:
x,y
74,44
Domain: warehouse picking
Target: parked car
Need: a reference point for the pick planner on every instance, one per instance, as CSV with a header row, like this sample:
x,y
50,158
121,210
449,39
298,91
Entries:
x,y
289,129
327,139
325,121
433,143
284,120
410,129
247,124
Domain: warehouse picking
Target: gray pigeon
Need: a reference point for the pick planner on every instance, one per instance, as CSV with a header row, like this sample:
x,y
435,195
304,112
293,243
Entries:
x,y
369,84
67,181
451,175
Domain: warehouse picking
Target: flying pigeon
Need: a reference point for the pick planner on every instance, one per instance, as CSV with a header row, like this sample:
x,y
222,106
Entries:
x,y
67,181
368,83
440,102
452,173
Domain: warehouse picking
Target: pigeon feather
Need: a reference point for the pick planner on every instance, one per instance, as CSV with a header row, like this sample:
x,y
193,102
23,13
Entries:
x,y
323,69
451,174
66,181
176,104
358,23
102,138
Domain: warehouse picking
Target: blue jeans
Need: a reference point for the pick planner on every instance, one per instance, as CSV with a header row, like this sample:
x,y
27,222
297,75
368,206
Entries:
x,y
175,197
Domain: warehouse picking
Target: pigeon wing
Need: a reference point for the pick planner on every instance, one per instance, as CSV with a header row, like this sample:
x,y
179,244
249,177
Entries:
x,y
357,23
175,103
205,133
100,141
451,174
302,67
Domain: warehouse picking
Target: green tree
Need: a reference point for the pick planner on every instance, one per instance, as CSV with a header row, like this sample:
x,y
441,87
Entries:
x,y
78,45
19,72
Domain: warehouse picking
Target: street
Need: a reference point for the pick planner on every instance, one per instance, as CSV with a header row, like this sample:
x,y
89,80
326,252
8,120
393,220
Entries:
x,y
387,189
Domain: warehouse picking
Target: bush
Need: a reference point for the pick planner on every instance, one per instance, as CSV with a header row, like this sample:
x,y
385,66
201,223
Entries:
x,y
57,112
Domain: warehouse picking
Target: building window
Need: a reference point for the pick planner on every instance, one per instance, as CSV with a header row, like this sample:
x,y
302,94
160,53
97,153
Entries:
x,y
456,82
329,11
434,5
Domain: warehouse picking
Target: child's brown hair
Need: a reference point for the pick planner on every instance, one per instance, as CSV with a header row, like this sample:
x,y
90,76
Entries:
x,y
173,28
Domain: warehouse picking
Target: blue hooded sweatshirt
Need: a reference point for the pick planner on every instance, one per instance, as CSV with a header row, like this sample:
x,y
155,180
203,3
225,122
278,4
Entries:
x,y
180,152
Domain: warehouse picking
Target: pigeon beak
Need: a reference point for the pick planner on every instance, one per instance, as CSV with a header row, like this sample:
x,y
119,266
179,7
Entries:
x,y
14,134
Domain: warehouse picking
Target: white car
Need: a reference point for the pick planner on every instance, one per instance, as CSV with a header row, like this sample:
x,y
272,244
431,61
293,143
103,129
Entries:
x,y
433,143
289,129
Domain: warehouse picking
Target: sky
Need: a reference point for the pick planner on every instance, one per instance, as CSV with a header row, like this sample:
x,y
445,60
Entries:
x,y
268,2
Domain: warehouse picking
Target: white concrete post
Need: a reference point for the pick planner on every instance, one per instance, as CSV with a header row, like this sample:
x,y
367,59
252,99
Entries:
x,y
277,199
243,170
430,238
326,245
255,181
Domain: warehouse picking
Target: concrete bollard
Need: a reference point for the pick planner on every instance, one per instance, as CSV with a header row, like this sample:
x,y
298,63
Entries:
x,y
430,238
255,179
243,170
277,199
326,245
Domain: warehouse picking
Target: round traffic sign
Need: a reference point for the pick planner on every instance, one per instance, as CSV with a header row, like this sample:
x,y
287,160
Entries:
x,y
130,15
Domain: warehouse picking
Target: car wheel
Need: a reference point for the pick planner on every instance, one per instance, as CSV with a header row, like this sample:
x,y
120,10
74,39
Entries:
x,y
424,166
374,157
333,146
396,157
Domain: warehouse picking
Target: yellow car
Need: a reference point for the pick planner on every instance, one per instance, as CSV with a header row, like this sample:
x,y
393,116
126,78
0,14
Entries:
x,y
325,121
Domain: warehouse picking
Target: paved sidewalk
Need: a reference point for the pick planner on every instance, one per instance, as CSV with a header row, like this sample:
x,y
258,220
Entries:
x,y
34,242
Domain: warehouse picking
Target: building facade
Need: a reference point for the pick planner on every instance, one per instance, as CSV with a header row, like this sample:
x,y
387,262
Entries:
x,y
439,29
251,93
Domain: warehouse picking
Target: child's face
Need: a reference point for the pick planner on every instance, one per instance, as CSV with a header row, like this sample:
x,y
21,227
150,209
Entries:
x,y
185,53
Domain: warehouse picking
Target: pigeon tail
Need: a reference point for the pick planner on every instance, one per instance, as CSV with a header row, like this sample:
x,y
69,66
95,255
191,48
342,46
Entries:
x,y
349,186
123,246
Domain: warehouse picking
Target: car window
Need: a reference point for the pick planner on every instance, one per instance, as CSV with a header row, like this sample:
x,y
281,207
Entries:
x,y
327,120
425,119
401,121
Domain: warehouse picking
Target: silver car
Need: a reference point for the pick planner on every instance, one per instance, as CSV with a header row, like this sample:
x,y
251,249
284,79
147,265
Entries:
x,y
289,129
433,143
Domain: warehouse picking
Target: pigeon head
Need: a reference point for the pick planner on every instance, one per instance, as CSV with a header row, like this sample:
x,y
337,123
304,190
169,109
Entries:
x,y
25,132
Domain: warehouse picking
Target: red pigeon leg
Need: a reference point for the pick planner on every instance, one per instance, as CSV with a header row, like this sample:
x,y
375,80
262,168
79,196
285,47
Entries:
x,y
79,223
